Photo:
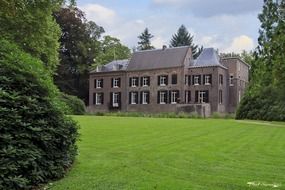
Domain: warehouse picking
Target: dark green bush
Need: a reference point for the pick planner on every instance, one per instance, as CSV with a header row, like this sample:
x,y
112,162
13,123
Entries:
x,y
37,141
262,105
75,105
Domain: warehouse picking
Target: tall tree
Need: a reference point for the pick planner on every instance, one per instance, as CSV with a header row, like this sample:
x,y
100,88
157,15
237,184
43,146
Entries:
x,y
184,38
265,98
144,43
78,47
31,26
111,49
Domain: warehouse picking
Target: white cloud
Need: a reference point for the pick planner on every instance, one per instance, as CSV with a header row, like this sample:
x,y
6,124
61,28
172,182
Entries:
x,y
239,44
101,15
158,42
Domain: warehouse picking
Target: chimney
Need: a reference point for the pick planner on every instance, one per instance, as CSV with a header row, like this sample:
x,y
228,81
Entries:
x,y
164,47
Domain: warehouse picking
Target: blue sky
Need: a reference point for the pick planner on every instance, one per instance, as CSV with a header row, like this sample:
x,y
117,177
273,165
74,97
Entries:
x,y
227,25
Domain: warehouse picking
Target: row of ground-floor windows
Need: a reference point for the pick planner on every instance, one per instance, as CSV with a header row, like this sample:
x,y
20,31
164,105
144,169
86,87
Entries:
x,y
163,97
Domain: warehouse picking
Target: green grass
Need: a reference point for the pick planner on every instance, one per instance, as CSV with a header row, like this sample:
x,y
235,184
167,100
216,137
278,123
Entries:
x,y
157,153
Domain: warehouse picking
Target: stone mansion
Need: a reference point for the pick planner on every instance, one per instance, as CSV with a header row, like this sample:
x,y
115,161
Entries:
x,y
169,80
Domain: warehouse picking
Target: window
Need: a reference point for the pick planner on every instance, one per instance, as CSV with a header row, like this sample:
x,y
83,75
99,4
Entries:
x,y
134,98
174,97
116,82
187,80
98,98
145,81
134,82
207,79
115,99
220,96
162,97
202,96
174,79
187,97
221,79
162,80
145,98
231,80
196,79
98,83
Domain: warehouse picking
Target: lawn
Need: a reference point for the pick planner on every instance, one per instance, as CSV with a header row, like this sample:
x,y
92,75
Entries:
x,y
157,153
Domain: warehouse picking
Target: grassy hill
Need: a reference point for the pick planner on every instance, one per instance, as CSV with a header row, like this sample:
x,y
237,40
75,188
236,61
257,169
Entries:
x,y
156,153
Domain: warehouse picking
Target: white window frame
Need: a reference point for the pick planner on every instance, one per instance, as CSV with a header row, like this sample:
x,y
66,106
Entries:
x,y
98,100
173,97
144,98
99,83
115,99
115,83
145,81
231,80
134,82
133,98
201,96
207,80
162,80
196,80
162,97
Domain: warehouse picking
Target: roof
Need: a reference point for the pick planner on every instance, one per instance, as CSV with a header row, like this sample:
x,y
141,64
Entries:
x,y
237,58
157,59
209,57
117,65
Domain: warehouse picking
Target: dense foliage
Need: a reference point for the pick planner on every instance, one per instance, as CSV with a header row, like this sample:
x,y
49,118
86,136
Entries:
x,y
75,106
145,43
265,98
30,25
37,141
111,49
184,38
81,48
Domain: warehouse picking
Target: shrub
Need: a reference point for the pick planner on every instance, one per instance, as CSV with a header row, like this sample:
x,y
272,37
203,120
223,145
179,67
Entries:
x,y
75,106
262,105
37,141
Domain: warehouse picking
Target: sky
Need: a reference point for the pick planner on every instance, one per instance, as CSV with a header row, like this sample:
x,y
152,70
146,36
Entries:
x,y
226,25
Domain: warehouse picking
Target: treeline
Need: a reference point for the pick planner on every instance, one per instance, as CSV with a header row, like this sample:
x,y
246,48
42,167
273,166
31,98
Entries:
x,y
265,97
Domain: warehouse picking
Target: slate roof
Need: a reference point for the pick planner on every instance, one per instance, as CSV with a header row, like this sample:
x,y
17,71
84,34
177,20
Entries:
x,y
156,59
208,57
117,65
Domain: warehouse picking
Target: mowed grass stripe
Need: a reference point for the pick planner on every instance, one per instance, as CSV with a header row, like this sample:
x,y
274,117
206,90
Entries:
x,y
161,153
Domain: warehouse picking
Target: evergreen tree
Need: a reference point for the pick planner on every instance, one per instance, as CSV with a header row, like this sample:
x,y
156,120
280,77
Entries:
x,y
144,42
184,38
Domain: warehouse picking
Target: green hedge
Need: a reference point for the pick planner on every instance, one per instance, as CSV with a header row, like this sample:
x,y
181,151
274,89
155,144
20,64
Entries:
x,y
75,105
37,141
